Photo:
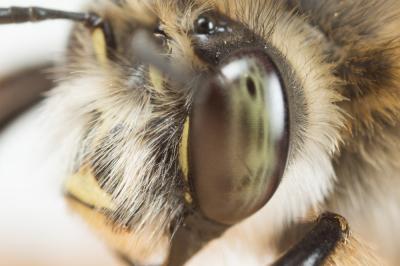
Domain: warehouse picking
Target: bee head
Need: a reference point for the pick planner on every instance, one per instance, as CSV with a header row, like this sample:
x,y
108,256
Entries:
x,y
216,115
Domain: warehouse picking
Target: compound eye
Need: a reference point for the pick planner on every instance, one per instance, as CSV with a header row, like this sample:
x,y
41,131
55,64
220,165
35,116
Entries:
x,y
238,140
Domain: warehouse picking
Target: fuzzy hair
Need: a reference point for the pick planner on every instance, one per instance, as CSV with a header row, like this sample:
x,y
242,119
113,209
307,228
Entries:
x,y
364,37
129,131
354,251
309,176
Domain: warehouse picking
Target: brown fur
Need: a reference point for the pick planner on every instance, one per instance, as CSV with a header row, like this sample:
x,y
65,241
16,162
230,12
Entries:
x,y
343,57
365,40
354,252
356,55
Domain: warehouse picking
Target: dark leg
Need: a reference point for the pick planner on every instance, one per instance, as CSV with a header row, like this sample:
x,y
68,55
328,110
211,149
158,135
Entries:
x,y
33,14
192,235
317,245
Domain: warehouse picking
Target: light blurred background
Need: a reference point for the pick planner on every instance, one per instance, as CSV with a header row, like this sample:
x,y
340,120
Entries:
x,y
36,225
25,44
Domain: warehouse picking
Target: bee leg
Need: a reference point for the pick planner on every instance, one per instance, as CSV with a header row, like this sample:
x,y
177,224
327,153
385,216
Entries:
x,y
191,236
92,21
317,245
33,14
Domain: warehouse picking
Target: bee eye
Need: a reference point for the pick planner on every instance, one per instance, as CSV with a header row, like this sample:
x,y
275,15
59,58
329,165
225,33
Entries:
x,y
238,139
204,25
210,24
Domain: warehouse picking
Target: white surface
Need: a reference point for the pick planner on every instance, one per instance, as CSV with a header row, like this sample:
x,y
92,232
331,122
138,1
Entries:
x,y
36,225
24,44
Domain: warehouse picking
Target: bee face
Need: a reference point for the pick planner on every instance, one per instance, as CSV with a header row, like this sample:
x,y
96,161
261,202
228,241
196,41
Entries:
x,y
131,117
183,121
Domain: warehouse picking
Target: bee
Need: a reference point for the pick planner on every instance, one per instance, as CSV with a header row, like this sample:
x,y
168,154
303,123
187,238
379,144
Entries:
x,y
219,132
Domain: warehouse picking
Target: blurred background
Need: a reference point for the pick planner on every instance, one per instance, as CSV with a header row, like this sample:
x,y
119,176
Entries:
x,y
25,44
36,225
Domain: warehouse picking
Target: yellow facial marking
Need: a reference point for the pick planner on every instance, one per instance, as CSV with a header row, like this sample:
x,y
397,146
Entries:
x,y
156,79
84,186
188,198
183,150
100,47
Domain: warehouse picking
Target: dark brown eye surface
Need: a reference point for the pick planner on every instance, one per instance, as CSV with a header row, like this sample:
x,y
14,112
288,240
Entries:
x,y
238,139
